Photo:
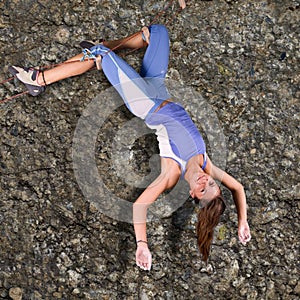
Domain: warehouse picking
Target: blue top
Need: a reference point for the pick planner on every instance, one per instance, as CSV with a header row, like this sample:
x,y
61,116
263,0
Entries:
x,y
177,135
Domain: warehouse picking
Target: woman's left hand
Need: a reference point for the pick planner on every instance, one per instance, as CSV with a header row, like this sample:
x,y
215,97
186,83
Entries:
x,y
244,232
143,257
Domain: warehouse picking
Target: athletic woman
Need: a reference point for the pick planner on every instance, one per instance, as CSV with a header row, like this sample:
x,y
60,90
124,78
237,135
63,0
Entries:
x,y
182,148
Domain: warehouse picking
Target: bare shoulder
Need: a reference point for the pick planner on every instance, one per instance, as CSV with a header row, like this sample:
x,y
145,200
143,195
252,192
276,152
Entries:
x,y
170,169
219,174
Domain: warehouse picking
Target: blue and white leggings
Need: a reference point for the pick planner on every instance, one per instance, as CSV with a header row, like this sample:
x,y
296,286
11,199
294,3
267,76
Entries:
x,y
144,92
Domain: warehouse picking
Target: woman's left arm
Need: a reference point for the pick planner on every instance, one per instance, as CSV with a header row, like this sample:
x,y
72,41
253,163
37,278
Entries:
x,y
165,180
239,198
140,207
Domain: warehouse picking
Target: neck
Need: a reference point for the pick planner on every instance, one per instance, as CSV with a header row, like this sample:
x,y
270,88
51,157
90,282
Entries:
x,y
193,168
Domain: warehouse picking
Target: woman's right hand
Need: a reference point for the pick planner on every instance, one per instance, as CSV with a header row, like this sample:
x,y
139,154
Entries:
x,y
143,257
182,4
244,232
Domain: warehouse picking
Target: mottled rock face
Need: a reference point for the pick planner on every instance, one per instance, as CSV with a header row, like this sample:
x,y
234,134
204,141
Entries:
x,y
242,58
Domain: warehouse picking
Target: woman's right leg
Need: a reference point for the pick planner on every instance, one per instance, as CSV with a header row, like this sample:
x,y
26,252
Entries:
x,y
156,58
139,95
134,41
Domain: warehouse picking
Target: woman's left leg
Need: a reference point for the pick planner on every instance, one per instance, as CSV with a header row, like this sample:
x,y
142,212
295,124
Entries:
x,y
73,66
36,80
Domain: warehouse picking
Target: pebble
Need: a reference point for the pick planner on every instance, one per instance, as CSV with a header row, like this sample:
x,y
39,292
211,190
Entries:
x,y
15,293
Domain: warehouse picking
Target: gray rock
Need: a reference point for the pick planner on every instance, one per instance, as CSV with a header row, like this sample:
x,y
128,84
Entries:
x,y
16,293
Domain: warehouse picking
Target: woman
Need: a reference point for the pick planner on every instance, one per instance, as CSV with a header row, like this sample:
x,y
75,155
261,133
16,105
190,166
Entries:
x,y
182,149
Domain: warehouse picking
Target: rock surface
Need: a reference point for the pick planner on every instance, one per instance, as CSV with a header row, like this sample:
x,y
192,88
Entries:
x,y
243,58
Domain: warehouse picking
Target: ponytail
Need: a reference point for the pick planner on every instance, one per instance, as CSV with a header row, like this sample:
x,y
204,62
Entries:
x,y
208,218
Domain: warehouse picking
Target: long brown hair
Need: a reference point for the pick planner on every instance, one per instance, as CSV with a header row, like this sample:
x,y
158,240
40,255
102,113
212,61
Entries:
x,y
208,218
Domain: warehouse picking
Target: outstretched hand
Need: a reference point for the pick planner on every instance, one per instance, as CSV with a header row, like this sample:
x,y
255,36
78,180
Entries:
x,y
182,3
244,232
143,257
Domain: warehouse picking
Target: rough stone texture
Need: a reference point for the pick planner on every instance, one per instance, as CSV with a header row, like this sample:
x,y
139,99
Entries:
x,y
243,58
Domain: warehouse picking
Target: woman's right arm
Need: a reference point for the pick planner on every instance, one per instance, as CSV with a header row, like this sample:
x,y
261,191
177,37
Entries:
x,y
238,195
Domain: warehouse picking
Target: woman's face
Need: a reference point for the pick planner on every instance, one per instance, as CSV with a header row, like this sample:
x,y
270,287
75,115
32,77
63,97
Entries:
x,y
205,188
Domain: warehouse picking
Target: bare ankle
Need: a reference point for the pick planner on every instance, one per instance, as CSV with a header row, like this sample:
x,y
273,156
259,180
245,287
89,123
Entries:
x,y
41,79
146,34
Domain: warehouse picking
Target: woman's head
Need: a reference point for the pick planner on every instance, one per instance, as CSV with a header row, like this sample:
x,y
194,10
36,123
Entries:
x,y
204,187
208,218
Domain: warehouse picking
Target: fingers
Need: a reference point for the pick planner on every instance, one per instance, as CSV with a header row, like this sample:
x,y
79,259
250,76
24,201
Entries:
x,y
248,237
244,233
182,3
144,266
244,238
